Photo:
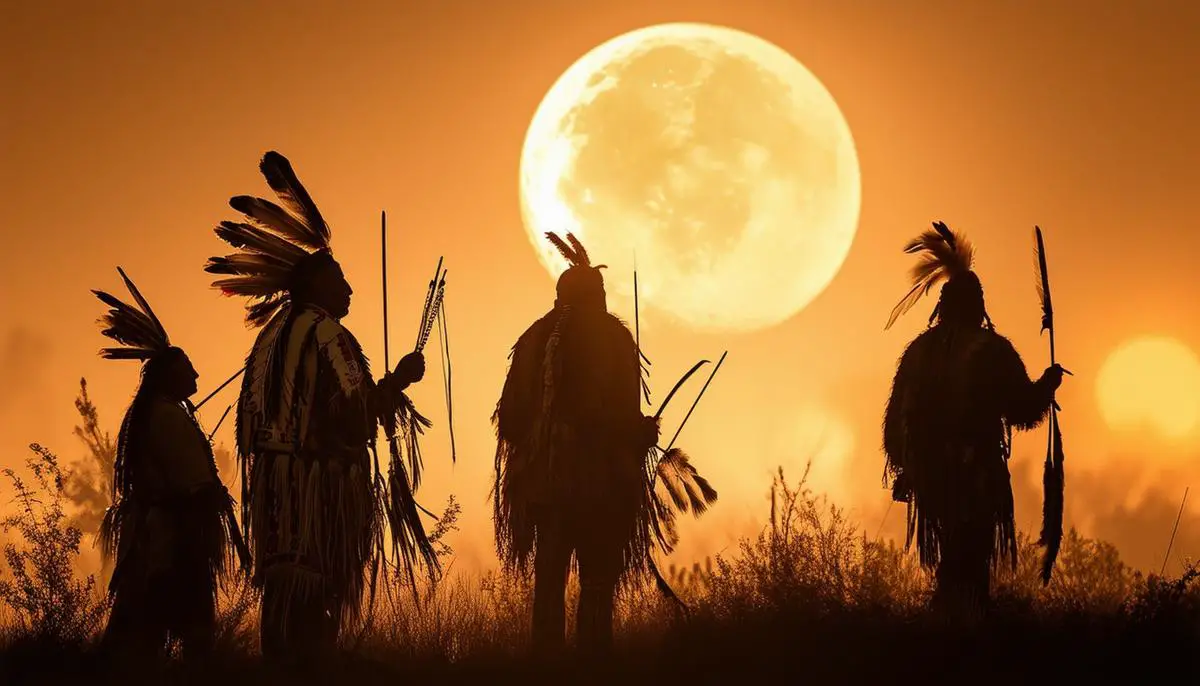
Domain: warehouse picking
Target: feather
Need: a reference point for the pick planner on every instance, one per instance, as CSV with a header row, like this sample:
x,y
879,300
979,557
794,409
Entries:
x,y
687,488
282,179
277,241
249,264
126,325
1052,504
254,239
250,286
1043,282
581,254
127,353
139,330
946,234
142,303
567,251
270,216
262,312
944,254
124,332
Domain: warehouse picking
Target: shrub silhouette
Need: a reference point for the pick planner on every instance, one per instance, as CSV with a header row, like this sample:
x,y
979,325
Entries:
x,y
809,587
49,605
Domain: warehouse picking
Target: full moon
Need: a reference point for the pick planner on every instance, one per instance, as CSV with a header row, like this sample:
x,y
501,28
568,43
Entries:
x,y
1151,382
710,158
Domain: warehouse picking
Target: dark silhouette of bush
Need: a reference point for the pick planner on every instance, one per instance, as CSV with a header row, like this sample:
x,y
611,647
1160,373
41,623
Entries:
x,y
50,610
812,595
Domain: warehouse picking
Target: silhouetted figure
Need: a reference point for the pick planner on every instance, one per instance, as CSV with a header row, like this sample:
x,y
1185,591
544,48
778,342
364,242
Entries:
x,y
959,391
306,424
167,527
572,470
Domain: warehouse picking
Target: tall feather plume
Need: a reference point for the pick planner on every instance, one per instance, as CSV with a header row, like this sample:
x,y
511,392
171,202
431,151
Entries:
x,y
135,327
268,215
581,254
566,250
944,254
1043,280
249,264
257,240
142,303
282,179
277,240
261,271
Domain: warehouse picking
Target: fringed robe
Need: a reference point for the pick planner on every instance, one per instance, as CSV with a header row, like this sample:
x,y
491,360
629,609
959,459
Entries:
x,y
571,450
307,419
957,395
168,529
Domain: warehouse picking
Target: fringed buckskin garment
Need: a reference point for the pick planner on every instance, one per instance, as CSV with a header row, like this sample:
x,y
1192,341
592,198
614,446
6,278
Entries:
x,y
168,528
306,417
959,391
573,467
315,505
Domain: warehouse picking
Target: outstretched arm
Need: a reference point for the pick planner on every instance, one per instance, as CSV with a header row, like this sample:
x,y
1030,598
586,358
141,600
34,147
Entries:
x,y
1023,401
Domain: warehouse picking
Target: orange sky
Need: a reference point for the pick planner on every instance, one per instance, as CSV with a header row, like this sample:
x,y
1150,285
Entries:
x,y
125,131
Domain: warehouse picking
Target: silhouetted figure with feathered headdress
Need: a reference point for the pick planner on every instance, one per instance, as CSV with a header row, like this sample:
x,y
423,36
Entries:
x,y
574,459
959,391
315,508
171,525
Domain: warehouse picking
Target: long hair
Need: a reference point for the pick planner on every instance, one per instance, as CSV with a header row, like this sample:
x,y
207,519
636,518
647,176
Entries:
x,y
141,337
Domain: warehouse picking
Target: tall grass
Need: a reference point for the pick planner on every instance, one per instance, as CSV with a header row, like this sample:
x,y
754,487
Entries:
x,y
811,593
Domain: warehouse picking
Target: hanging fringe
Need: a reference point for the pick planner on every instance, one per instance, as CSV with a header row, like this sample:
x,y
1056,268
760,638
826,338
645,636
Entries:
x,y
325,520
1052,505
411,543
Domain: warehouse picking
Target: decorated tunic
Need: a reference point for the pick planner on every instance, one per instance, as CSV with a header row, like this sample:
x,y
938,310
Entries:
x,y
306,420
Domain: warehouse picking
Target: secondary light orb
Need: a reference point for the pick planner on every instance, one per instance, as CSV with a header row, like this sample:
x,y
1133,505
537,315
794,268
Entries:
x,y
1153,383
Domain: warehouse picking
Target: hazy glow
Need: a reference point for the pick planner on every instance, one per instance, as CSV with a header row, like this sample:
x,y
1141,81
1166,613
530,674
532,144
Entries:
x,y
1151,382
820,440
711,155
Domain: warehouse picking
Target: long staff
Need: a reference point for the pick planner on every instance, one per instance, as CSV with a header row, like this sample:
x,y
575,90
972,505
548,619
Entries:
x,y
1052,471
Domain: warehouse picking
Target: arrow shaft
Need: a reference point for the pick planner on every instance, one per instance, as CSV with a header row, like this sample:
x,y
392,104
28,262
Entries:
x,y
697,400
219,388
387,361
219,422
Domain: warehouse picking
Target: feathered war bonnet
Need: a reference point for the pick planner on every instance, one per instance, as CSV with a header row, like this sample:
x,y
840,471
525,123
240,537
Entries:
x,y
581,283
281,248
136,328
945,255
